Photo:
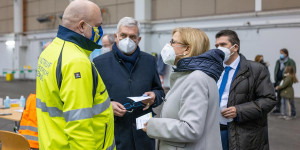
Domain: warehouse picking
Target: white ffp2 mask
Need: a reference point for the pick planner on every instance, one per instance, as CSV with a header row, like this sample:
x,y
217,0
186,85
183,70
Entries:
x,y
168,54
105,50
226,51
127,45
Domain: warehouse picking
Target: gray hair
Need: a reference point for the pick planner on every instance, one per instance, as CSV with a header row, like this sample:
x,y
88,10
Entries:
x,y
111,38
128,22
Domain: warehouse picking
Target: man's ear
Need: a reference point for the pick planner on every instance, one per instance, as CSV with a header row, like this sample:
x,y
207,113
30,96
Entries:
x,y
139,39
115,35
80,26
236,47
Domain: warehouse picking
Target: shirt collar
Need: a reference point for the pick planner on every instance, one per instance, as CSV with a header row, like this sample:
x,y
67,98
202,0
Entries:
x,y
234,64
71,36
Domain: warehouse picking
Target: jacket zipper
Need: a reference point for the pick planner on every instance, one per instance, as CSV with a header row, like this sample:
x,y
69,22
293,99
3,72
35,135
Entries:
x,y
104,135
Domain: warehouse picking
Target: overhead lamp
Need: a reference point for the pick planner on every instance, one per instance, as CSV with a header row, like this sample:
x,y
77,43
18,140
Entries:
x,y
10,44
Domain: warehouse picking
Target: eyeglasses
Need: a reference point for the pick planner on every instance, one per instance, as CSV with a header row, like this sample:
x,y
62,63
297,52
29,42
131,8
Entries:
x,y
172,42
129,106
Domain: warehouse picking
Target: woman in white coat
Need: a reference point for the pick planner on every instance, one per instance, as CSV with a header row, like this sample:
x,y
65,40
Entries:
x,y
189,117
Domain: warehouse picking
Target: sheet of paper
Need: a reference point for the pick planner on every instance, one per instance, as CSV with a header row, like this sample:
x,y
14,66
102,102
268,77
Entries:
x,y
222,119
20,110
139,98
140,121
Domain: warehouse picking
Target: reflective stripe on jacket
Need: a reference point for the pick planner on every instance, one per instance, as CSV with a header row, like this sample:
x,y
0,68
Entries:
x,y
28,123
73,106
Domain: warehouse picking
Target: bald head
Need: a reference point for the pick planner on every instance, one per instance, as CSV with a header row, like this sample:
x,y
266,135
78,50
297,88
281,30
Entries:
x,y
79,12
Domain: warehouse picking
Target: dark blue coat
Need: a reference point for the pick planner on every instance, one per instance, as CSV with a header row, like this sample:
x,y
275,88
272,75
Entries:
x,y
122,83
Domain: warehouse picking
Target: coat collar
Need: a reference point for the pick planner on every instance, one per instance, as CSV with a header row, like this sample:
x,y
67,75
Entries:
x,y
210,62
244,66
176,75
132,58
71,36
243,72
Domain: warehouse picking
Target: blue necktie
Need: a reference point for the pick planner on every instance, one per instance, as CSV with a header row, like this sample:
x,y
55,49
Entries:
x,y
224,82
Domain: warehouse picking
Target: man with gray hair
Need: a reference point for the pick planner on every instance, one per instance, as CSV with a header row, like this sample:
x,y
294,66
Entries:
x,y
127,72
107,42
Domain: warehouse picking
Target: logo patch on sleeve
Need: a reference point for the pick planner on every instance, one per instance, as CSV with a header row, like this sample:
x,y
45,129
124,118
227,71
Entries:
x,y
77,75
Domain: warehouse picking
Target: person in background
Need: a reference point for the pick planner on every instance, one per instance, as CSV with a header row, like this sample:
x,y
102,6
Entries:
x,y
246,97
28,124
107,42
72,104
283,61
260,59
189,117
161,68
127,72
46,45
288,110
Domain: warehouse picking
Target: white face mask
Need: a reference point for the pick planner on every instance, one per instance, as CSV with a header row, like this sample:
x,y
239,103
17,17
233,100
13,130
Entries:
x,y
105,50
168,54
127,45
227,52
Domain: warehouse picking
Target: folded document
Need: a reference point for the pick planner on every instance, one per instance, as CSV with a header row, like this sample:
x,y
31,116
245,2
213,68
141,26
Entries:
x,y
139,98
140,121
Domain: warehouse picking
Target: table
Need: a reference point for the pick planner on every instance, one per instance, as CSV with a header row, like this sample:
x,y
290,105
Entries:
x,y
16,116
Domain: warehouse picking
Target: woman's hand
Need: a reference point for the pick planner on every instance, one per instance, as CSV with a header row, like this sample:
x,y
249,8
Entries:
x,y
145,129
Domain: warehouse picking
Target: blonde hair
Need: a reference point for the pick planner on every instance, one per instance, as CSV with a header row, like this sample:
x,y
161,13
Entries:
x,y
196,39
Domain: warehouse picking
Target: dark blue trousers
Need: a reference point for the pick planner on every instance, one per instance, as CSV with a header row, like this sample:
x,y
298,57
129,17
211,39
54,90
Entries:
x,y
224,139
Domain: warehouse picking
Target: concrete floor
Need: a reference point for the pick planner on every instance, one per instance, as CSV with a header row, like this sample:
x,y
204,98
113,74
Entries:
x,y
283,135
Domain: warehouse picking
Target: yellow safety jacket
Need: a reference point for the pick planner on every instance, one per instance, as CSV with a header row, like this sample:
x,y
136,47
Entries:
x,y
73,106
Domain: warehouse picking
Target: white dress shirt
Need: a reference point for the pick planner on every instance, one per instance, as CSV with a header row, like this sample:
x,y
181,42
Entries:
x,y
224,99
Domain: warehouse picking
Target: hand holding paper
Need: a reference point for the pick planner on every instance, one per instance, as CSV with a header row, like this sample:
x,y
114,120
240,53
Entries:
x,y
149,101
140,121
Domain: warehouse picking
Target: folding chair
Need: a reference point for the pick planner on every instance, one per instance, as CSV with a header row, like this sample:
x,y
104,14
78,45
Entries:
x,y
13,141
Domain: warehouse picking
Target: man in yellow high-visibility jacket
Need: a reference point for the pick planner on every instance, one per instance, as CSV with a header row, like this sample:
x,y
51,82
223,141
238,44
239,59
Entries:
x,y
73,106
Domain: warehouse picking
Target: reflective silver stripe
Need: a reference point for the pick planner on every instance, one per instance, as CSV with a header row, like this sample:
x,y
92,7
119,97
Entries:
x,y
53,111
99,108
31,128
84,113
78,114
112,146
30,137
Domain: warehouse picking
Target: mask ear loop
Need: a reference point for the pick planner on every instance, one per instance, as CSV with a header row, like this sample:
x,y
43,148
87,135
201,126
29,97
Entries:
x,y
231,48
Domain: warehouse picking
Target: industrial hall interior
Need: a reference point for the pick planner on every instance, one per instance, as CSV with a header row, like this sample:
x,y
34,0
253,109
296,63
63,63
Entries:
x,y
149,74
